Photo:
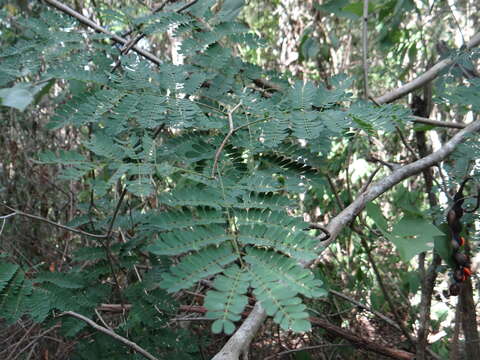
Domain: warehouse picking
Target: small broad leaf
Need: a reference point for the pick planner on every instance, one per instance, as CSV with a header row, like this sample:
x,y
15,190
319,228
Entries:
x,y
413,235
7,271
230,10
18,97
374,212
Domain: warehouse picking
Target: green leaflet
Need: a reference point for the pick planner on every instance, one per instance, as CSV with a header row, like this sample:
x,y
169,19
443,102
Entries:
x,y
182,241
15,289
177,220
7,272
226,303
293,243
197,266
63,280
274,267
277,299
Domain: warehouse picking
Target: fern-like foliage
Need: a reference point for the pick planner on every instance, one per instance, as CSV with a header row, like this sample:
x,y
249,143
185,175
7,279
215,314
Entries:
x,y
263,241
228,300
212,167
226,211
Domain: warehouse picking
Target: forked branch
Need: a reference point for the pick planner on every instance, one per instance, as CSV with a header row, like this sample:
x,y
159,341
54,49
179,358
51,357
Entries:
x,y
112,334
238,344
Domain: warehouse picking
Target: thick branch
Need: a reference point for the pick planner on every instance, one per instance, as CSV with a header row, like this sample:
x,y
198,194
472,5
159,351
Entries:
x,y
236,352
240,341
238,344
393,95
427,76
378,188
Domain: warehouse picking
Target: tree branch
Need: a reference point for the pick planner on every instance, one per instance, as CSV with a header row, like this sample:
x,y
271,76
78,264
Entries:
x,y
381,186
427,76
64,227
86,21
449,124
239,342
393,95
361,341
112,334
365,307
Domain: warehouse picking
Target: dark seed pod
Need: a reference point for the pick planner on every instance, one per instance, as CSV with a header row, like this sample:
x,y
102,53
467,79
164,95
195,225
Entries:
x,y
461,270
455,289
458,275
455,245
458,239
461,259
453,220
467,272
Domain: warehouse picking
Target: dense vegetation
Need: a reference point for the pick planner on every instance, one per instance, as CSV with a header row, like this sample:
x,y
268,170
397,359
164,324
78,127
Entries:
x,y
184,176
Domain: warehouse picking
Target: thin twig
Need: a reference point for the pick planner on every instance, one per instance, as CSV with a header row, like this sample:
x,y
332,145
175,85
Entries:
x,y
448,124
304,348
113,307
115,213
405,142
369,181
187,5
86,21
34,341
231,131
427,121
390,165
68,228
339,201
8,215
365,307
191,319
102,320
361,341
112,334
132,42
321,228
386,293
13,350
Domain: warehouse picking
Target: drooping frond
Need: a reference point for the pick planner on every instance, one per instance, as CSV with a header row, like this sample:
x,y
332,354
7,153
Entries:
x,y
228,300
